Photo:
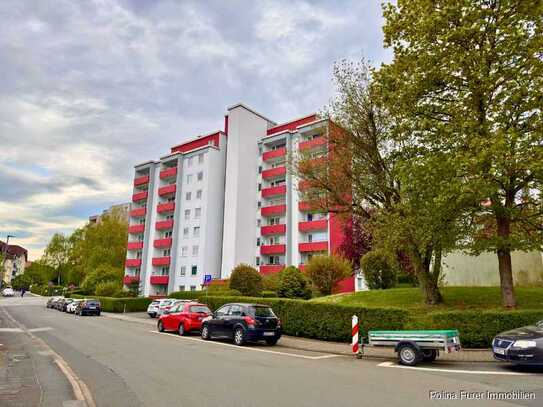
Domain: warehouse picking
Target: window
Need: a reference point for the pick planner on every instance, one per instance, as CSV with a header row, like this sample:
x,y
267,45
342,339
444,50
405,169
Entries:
x,y
235,310
192,288
309,217
200,175
258,222
260,150
169,217
223,311
258,261
165,271
258,241
185,233
196,231
184,251
138,255
188,196
187,214
195,250
189,162
259,204
200,158
183,271
310,238
166,252
199,194
189,178
140,238
260,169
197,213
181,288
168,234
194,270
259,187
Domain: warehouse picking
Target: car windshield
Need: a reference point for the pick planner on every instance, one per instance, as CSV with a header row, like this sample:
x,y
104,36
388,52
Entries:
x,y
155,303
262,312
200,308
166,303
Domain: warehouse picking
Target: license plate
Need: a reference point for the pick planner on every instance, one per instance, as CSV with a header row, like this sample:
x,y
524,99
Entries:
x,y
91,307
269,333
499,351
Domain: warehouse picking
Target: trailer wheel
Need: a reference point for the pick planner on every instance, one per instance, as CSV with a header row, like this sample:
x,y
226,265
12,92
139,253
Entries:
x,y
409,355
429,355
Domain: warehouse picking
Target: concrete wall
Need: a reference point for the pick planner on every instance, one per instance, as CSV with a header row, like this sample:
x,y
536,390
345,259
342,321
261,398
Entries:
x,y
460,269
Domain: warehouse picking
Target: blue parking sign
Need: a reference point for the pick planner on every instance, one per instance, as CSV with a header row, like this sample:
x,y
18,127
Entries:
x,y
207,278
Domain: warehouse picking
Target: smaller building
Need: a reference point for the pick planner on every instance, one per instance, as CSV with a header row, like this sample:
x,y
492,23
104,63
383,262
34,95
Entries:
x,y
120,209
14,262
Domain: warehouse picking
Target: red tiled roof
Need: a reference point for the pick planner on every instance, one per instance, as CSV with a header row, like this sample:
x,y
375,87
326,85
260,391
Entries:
x,y
13,250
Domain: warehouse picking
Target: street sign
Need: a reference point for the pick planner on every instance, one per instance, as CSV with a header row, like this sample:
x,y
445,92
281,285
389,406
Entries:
x,y
207,278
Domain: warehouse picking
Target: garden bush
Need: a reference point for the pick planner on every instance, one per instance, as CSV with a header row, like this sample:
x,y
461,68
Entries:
x,y
326,271
379,269
268,294
293,284
246,280
108,289
270,282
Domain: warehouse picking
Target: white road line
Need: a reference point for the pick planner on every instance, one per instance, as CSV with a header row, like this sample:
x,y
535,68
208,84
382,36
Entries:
x,y
247,348
45,328
10,330
430,369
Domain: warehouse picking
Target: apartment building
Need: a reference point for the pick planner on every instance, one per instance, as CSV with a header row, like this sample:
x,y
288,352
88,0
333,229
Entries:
x,y
248,203
13,261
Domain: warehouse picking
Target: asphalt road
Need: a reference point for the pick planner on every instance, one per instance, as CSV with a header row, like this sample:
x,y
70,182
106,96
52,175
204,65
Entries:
x,y
129,364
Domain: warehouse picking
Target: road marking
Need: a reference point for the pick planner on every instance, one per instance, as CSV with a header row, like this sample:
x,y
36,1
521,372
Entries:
x,y
11,330
430,369
247,348
45,328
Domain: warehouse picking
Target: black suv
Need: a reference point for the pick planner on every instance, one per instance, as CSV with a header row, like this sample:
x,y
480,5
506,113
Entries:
x,y
243,323
521,346
89,307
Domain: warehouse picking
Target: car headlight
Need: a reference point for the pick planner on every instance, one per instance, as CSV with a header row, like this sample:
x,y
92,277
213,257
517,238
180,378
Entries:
x,y
523,344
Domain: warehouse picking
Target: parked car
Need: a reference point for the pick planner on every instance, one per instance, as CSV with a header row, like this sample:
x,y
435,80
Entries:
x,y
183,317
89,307
152,309
73,306
8,292
51,302
59,303
521,346
64,304
243,323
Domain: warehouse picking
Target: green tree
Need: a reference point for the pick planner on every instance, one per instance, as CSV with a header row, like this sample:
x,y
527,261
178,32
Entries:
x,y
246,279
326,271
38,272
293,284
57,256
380,269
467,81
108,288
21,281
102,274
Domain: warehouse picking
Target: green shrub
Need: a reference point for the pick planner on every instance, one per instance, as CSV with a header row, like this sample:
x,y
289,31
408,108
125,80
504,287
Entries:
x,y
102,274
270,282
268,294
110,304
108,289
379,269
326,271
246,280
293,284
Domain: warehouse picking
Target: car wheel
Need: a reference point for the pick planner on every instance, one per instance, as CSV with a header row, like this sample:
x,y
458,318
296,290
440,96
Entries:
x,y
98,313
205,333
409,355
271,341
239,336
160,326
429,355
181,329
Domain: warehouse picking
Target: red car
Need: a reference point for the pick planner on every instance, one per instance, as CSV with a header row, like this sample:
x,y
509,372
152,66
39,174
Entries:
x,y
183,317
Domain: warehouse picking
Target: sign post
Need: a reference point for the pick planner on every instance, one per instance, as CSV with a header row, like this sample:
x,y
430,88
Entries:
x,y
355,340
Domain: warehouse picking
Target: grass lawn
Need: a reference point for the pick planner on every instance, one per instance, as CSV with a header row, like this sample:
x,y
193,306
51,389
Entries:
x,y
412,299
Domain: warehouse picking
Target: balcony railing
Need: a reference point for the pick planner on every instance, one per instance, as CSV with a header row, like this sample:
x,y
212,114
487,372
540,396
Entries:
x,y
139,196
304,206
160,280
274,172
273,249
136,228
313,247
133,262
138,212
272,191
166,190
130,279
273,230
270,155
316,142
164,224
273,210
163,243
271,268
161,261
168,173
165,207
313,225
141,180
134,245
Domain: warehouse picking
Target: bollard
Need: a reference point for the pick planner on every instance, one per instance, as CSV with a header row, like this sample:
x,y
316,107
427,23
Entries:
x,y
354,333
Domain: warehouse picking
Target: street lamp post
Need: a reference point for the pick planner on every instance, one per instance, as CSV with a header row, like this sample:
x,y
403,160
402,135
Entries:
x,y
4,259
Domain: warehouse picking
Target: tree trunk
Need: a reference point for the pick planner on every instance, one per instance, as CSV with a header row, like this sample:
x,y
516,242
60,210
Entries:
x,y
504,262
428,283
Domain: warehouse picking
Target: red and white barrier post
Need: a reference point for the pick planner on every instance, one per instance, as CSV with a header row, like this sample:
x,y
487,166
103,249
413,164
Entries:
x,y
354,332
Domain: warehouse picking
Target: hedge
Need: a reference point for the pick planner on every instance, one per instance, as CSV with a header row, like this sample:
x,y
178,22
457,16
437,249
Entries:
x,y
47,291
110,304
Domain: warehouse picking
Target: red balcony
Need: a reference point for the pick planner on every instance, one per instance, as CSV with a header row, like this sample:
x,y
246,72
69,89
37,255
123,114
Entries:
x,y
134,245
141,180
301,267
168,189
168,173
271,268
159,280
130,279
306,207
270,155
161,261
304,185
273,210
272,191
132,263
164,224
138,212
136,228
162,243
273,230
165,207
273,249
139,196
274,172
313,247
311,226
316,142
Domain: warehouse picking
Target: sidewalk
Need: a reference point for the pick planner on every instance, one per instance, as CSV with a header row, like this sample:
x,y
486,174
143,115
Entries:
x,y
336,348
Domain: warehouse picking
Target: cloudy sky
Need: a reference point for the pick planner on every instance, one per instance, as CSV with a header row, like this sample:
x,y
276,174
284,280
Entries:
x,y
89,88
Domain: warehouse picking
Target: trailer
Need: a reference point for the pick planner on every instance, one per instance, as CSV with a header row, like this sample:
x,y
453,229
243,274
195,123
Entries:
x,y
413,347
